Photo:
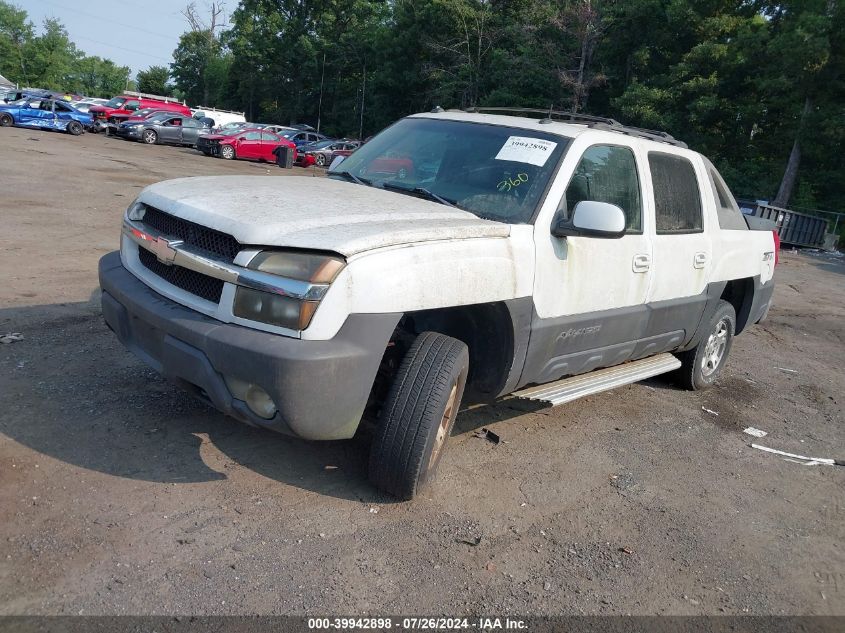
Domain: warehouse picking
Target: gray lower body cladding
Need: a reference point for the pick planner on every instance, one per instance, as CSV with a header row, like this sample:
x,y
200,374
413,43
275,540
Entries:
x,y
576,344
762,300
570,345
320,387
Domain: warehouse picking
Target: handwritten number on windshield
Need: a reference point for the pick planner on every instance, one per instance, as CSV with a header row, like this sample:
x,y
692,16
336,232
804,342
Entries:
x,y
509,183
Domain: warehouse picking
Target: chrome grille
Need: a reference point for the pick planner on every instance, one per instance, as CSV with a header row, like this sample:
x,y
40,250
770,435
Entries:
x,y
196,283
215,243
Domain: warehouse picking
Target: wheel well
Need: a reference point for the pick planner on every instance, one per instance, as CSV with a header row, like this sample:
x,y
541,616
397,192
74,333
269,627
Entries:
x,y
740,294
486,329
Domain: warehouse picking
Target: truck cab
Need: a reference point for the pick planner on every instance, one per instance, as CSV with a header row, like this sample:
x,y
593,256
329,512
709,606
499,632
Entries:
x,y
119,108
456,258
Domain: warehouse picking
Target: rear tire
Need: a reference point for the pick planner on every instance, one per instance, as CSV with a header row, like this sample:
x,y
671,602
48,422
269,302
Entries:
x,y
701,365
75,128
227,152
419,414
6,120
149,137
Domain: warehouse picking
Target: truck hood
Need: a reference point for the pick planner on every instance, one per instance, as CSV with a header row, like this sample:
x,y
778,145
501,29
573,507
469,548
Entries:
x,y
314,213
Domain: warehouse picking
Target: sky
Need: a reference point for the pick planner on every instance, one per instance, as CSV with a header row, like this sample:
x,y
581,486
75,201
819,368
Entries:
x,y
140,34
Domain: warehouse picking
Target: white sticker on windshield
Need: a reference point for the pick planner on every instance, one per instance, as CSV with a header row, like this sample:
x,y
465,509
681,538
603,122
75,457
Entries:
x,y
522,149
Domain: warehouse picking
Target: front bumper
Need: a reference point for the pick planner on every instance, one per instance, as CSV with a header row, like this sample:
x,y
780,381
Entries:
x,y
122,132
319,387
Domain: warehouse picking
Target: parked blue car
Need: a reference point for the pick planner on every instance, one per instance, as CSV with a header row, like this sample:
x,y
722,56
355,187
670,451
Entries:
x,y
48,114
302,137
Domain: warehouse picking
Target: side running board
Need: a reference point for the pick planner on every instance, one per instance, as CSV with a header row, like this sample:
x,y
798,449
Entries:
x,y
569,389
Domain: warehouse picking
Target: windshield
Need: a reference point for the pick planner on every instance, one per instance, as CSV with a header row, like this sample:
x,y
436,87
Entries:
x,y
498,173
320,144
116,102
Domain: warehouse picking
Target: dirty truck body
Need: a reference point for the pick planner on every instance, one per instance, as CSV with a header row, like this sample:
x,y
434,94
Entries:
x,y
513,253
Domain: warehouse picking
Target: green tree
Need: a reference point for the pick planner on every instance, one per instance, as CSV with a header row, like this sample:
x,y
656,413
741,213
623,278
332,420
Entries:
x,y
806,46
96,77
155,80
52,56
191,60
16,33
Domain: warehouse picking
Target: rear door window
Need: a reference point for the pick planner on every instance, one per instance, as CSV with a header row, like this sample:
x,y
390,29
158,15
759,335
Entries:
x,y
677,198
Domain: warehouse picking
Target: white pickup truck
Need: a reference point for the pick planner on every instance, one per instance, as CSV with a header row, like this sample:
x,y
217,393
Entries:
x,y
456,258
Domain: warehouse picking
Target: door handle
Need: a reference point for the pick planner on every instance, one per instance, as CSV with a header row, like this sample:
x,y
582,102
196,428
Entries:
x,y
700,260
642,263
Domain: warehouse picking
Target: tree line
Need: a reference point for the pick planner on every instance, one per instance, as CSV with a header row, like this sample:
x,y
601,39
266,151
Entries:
x,y
51,60
756,85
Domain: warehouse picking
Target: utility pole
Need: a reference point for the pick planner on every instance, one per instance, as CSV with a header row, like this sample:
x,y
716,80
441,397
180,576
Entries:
x,y
320,104
363,96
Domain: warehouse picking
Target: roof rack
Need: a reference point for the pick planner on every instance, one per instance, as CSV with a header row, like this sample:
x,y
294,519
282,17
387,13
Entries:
x,y
203,109
144,95
639,132
595,122
571,116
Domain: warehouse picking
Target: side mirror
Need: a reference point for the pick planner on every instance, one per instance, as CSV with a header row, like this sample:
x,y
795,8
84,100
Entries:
x,y
592,219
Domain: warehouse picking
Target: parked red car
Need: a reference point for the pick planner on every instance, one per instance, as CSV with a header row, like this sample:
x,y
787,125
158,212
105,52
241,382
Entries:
x,y
249,144
129,104
390,167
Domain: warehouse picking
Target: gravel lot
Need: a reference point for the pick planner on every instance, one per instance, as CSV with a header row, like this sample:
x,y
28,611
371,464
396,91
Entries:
x,y
119,494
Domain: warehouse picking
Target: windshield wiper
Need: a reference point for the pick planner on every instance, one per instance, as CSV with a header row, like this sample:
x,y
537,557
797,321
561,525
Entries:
x,y
352,178
421,191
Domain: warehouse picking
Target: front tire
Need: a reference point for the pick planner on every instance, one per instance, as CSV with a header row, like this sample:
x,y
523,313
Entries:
x,y
701,365
149,137
320,159
75,128
227,152
419,414
6,120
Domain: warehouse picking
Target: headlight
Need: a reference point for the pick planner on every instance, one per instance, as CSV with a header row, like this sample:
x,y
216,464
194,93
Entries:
x,y
136,211
280,310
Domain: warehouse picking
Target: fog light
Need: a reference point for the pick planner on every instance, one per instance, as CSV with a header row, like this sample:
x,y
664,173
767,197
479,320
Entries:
x,y
260,402
237,387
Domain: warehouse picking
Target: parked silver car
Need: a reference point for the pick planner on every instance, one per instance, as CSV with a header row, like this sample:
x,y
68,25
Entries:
x,y
163,129
325,151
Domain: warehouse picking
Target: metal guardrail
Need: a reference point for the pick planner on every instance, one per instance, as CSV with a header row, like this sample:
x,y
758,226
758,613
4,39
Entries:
x,y
797,229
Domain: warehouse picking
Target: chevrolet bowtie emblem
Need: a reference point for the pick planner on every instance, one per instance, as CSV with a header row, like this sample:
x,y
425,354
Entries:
x,y
165,250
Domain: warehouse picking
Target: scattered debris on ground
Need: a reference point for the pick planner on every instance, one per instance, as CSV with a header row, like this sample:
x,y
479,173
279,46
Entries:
x,y
487,434
807,461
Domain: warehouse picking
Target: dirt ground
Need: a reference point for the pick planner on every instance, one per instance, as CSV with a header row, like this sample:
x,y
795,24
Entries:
x,y
119,494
